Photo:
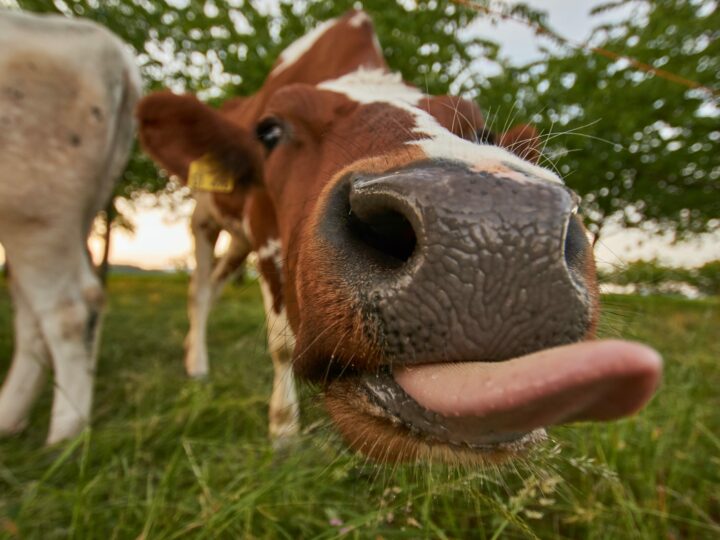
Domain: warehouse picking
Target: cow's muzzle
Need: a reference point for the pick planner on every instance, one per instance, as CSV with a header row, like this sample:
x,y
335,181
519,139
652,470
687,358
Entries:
x,y
477,288
455,264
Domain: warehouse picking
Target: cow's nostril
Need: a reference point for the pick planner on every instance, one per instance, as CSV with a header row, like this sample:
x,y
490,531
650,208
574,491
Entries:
x,y
385,231
576,244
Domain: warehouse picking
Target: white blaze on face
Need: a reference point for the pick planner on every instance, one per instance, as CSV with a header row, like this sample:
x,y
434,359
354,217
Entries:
x,y
377,86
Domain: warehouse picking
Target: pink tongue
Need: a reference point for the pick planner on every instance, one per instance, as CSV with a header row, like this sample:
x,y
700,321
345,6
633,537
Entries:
x,y
593,380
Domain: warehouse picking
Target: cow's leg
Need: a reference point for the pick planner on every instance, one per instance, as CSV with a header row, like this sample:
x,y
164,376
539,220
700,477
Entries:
x,y
284,408
205,232
73,338
231,262
65,296
207,284
28,369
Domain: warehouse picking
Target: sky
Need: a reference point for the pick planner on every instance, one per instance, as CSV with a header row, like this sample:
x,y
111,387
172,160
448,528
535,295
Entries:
x,y
163,241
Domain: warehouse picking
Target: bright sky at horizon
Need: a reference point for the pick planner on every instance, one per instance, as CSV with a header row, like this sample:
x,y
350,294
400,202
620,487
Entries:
x,y
163,241
166,243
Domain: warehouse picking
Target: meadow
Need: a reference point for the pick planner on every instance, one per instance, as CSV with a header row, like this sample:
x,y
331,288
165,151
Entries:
x,y
168,457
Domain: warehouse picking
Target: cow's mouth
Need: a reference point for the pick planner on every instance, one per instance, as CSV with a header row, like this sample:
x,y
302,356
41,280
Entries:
x,y
497,408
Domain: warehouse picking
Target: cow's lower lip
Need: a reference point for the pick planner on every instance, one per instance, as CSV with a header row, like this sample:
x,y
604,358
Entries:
x,y
384,391
486,405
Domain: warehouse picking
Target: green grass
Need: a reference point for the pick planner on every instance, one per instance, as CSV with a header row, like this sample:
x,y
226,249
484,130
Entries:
x,y
172,458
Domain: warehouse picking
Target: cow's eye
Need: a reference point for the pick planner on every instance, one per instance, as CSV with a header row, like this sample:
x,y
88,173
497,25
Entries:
x,y
269,131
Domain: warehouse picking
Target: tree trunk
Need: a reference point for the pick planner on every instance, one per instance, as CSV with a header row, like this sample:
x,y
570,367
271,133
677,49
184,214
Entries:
x,y
110,214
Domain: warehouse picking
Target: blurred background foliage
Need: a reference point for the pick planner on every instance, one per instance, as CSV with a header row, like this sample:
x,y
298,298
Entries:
x,y
223,48
637,147
653,277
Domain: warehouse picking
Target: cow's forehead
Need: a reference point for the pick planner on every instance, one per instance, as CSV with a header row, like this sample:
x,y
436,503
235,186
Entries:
x,y
334,48
378,86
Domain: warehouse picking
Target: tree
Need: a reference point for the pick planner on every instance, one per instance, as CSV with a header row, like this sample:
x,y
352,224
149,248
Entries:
x,y
635,145
223,48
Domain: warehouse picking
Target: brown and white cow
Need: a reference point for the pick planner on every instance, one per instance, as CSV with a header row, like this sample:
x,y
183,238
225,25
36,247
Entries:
x,y
439,289
67,92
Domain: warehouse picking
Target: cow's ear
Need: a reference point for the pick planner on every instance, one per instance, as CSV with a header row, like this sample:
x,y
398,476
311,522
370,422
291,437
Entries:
x,y
522,140
178,130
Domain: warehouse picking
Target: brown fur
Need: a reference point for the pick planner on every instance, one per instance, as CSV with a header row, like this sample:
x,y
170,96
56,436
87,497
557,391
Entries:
x,y
522,140
460,116
176,130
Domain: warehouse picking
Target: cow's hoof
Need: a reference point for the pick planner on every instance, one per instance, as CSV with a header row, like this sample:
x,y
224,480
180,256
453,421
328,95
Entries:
x,y
199,377
284,448
197,365
7,431
283,442
65,432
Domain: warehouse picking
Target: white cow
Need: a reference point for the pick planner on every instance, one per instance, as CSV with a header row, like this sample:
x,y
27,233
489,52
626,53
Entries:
x,y
67,92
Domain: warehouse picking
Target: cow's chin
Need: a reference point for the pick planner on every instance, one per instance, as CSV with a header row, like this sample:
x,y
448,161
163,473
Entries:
x,y
373,430
478,411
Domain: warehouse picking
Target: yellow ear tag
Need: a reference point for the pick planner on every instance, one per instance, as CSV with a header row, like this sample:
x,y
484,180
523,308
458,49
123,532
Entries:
x,y
206,175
